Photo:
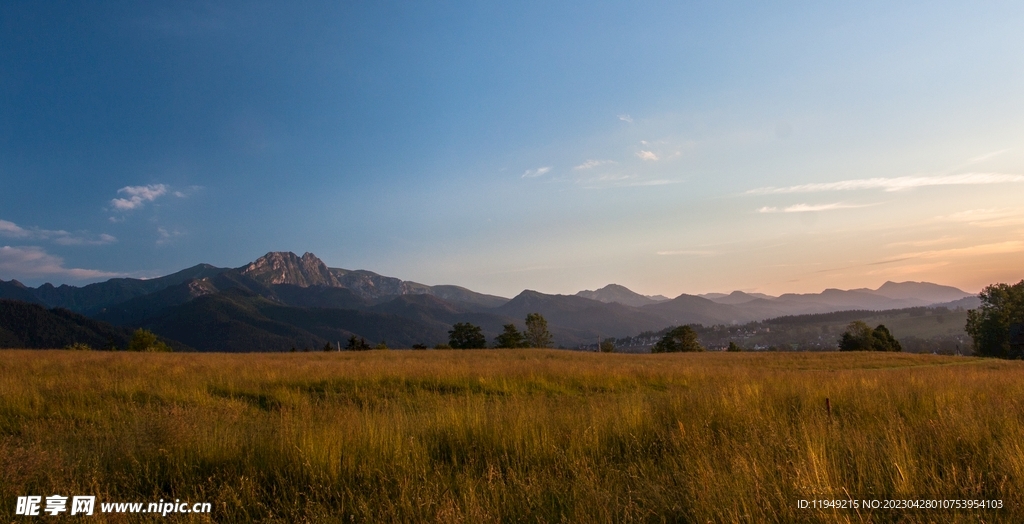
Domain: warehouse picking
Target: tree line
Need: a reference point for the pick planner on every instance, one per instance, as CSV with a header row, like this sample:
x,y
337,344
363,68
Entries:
x,y
465,335
997,327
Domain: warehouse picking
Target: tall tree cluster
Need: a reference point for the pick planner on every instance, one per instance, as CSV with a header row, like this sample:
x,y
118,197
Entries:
x,y
680,339
996,327
465,335
860,337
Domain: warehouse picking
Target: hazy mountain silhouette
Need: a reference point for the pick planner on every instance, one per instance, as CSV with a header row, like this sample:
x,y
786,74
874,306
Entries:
x,y
621,295
282,300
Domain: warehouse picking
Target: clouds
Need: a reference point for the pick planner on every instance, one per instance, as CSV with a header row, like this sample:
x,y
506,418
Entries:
x,y
533,173
894,184
647,155
31,262
992,248
804,208
11,230
138,196
165,236
986,217
590,164
692,252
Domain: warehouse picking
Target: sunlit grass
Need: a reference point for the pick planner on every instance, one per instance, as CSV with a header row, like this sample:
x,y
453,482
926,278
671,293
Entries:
x,y
523,435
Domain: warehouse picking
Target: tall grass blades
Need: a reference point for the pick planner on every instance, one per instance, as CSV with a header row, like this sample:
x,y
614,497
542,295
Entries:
x,y
516,435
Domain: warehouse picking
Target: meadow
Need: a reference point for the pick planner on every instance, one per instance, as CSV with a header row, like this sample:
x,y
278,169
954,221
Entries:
x,y
515,435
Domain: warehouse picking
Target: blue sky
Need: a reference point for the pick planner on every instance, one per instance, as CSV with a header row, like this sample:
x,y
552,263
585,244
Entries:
x,y
669,147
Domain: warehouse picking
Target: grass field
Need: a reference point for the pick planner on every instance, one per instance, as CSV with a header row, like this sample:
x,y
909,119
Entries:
x,y
515,435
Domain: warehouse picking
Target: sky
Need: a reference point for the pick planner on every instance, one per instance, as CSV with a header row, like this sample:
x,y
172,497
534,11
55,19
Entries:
x,y
671,147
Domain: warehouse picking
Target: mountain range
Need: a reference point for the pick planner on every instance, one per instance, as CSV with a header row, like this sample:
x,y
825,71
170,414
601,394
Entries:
x,y
282,301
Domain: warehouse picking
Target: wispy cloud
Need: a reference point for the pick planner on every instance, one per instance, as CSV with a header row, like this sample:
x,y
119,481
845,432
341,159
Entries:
x,y
995,248
693,252
165,236
986,156
101,240
607,177
137,196
590,164
804,208
647,155
894,184
626,118
655,182
985,217
619,180
926,242
11,230
533,173
29,262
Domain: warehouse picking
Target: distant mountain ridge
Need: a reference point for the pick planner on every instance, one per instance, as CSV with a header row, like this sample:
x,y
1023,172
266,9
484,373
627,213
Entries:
x,y
274,268
622,295
283,300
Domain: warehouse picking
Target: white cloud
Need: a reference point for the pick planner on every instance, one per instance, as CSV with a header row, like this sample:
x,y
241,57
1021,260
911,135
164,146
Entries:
x,y
804,208
894,184
590,164
695,252
532,173
986,217
626,118
647,155
996,248
926,242
655,182
137,196
987,156
11,230
621,180
28,262
166,236
101,240
607,177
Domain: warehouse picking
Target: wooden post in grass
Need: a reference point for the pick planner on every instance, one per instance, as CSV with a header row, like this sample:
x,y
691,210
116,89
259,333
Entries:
x,y
828,407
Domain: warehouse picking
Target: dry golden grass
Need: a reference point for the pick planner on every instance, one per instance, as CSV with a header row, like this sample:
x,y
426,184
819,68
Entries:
x,y
515,435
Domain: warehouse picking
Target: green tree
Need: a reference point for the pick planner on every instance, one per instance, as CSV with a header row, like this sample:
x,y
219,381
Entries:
x,y
328,347
466,336
857,337
510,338
860,337
734,347
608,345
145,340
1002,305
537,334
882,340
682,338
355,344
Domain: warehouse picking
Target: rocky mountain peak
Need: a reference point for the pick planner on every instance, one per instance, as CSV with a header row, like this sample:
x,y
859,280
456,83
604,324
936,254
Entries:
x,y
278,267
